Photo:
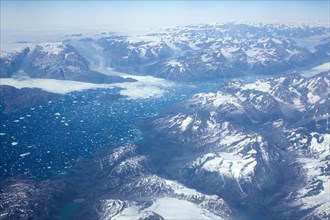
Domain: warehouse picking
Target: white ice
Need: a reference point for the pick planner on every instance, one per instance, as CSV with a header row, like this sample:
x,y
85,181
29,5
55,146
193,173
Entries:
x,y
315,70
169,208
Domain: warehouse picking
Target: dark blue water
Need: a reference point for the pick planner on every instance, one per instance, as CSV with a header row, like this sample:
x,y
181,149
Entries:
x,y
47,140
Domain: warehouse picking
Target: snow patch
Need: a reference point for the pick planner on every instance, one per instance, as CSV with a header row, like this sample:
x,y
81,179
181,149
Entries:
x,y
52,48
205,58
185,123
312,99
168,208
232,165
258,85
176,64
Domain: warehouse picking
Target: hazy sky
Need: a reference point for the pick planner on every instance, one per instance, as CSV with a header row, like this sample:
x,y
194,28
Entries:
x,y
126,14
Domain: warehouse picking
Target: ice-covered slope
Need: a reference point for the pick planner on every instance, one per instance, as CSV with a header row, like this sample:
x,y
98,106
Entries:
x,y
53,61
250,143
184,53
257,150
118,184
128,188
214,51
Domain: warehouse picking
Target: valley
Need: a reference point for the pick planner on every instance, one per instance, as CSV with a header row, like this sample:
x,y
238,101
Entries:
x,y
223,121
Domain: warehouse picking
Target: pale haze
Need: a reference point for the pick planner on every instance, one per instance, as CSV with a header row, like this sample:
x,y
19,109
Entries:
x,y
62,14
39,21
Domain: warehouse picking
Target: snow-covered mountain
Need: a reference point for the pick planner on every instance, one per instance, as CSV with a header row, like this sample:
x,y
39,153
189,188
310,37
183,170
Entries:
x,y
217,51
184,53
52,61
255,145
120,184
11,62
257,150
246,151
128,188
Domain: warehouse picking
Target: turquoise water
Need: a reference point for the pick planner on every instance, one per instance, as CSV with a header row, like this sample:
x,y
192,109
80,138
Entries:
x,y
69,210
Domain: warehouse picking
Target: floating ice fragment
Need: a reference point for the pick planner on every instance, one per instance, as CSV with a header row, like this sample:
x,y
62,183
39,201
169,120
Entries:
x,y
24,155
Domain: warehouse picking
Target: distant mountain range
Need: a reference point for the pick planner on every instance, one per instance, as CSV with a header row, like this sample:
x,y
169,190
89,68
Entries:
x,y
53,61
215,51
188,53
